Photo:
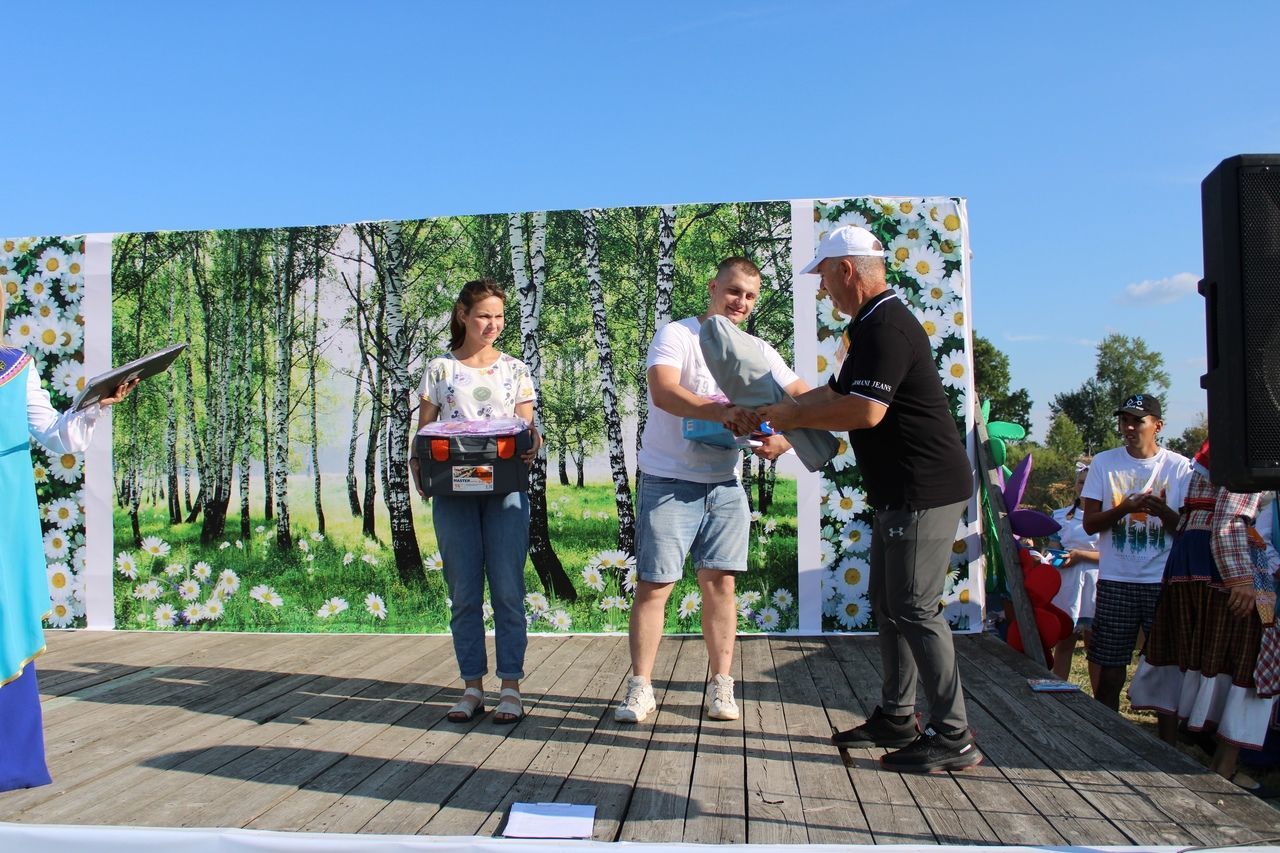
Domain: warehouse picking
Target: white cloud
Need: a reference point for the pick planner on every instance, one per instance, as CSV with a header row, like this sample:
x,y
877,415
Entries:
x,y
1036,337
1161,290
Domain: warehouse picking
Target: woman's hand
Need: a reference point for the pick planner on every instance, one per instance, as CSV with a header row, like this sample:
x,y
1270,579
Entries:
x,y
123,390
415,468
1242,600
532,453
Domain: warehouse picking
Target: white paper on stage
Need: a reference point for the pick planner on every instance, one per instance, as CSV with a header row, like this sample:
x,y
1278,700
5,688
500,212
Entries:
x,y
550,820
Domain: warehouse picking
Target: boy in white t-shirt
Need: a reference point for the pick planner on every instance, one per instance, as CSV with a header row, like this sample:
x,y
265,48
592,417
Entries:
x,y
1131,497
689,498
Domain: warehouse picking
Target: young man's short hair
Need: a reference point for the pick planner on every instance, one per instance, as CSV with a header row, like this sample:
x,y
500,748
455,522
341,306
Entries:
x,y
738,264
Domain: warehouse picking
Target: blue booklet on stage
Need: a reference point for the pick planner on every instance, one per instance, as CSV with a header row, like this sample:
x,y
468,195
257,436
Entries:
x,y
1052,685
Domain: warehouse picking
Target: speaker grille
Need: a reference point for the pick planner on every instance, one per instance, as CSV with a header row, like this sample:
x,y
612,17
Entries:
x,y
1260,291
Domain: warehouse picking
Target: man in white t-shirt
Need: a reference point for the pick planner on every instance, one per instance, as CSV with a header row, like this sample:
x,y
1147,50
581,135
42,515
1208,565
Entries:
x,y
1131,497
690,501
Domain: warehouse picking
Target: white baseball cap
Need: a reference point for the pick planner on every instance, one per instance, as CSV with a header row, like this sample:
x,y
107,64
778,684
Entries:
x,y
845,242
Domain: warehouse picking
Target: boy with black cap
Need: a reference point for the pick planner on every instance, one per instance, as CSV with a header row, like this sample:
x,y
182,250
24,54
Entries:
x,y
1131,496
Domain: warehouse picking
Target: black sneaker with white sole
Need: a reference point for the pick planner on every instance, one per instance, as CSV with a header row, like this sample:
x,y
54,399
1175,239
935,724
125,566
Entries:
x,y
880,730
933,751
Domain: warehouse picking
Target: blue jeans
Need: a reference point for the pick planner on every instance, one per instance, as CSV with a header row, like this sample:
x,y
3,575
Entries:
x,y
679,518
479,537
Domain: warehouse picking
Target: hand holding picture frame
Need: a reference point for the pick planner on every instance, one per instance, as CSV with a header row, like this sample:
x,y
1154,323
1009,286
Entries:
x,y
105,384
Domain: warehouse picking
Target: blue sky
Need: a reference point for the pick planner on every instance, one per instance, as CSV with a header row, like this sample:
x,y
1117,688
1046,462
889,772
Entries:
x,y
1079,133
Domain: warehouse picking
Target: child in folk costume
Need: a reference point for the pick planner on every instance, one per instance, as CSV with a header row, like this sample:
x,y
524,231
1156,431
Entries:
x,y
1079,571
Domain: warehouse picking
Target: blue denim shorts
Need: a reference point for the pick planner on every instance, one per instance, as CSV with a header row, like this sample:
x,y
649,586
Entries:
x,y
676,519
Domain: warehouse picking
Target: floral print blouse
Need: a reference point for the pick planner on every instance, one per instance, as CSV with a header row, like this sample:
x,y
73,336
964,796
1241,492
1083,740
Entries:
x,y
476,393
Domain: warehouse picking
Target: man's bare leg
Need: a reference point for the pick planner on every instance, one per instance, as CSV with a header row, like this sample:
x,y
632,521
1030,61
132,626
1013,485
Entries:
x,y
719,618
648,613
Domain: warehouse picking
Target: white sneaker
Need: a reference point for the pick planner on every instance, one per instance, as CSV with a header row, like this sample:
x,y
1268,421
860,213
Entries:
x,y
638,703
720,704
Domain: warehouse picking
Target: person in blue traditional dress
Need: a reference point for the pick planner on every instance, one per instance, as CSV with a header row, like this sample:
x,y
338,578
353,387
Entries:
x,y
25,412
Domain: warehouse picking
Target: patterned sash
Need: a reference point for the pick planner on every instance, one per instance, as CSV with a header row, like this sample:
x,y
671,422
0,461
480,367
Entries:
x,y
11,363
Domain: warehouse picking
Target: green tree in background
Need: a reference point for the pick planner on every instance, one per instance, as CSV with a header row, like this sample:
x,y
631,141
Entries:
x,y
1188,444
1064,438
991,378
1125,366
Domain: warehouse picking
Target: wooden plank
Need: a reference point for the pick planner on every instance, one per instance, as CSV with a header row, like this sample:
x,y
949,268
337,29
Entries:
x,y
255,739
130,652
176,742
1215,810
775,810
1078,759
420,707
561,751
853,689
435,783
394,779
1060,807
1008,551
717,797
974,804
152,685
949,813
143,712
296,748
835,802
606,772
122,737
661,803
481,797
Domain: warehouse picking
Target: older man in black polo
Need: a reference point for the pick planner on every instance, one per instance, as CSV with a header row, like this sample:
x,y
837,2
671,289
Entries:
x,y
888,395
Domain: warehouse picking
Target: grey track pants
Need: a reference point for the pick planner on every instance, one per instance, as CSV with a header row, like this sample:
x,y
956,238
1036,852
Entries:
x,y
910,555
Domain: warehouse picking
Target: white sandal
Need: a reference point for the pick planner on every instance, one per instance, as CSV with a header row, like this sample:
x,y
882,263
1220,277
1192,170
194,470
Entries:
x,y
510,706
464,711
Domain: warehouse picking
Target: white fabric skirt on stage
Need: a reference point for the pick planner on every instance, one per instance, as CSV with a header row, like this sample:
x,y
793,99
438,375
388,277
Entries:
x,y
1241,716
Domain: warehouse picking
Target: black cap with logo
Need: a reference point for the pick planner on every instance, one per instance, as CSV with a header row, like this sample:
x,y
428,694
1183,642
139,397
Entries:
x,y
1140,405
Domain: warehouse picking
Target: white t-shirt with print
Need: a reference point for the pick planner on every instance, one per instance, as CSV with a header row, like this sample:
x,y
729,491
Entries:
x,y
1135,548
664,451
476,393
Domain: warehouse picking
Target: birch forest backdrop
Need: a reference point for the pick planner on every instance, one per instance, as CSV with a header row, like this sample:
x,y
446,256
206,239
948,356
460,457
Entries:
x,y
263,483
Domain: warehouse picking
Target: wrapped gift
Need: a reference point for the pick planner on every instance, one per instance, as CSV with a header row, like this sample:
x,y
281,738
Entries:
x,y
473,457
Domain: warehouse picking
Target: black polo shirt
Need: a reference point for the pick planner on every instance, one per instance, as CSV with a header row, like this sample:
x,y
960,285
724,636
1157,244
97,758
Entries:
x,y
913,458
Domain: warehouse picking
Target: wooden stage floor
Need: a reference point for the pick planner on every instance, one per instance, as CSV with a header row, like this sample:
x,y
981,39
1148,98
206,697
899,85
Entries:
x,y
347,734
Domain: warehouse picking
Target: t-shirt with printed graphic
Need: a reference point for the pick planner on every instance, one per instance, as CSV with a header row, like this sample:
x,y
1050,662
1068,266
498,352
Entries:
x,y
476,393
1135,548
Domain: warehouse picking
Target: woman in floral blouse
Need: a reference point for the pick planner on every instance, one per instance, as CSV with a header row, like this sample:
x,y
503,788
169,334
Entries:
x,y
482,536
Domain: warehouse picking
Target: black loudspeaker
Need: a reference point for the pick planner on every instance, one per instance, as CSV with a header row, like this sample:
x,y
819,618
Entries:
x,y
1241,206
